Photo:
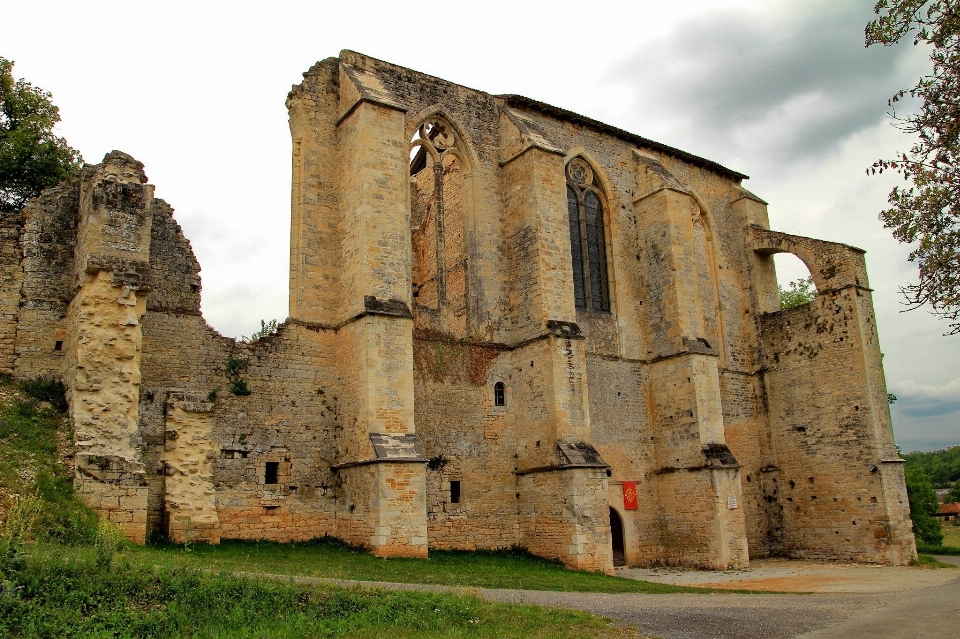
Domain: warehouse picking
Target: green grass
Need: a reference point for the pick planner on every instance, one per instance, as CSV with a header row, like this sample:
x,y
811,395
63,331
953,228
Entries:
x,y
33,437
57,588
929,561
951,535
333,559
69,596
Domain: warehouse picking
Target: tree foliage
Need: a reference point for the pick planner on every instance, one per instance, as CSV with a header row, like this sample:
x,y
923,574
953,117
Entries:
x,y
801,292
953,496
32,158
925,213
923,503
941,466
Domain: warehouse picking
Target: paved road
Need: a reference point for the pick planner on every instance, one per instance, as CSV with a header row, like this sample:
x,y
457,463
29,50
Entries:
x,y
924,612
915,614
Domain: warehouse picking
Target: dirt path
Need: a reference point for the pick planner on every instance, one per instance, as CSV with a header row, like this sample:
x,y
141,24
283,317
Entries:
x,y
788,575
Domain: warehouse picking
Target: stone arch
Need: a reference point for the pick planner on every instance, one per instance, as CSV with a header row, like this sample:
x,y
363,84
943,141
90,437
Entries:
x,y
465,151
832,266
618,537
709,277
442,220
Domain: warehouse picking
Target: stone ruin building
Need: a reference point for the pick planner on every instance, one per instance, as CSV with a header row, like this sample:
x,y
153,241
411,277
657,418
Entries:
x,y
510,325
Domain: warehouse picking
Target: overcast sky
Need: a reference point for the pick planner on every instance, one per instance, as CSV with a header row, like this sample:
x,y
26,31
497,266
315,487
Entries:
x,y
781,90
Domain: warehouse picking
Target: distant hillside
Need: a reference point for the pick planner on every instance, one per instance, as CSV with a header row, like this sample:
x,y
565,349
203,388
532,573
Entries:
x,y
941,466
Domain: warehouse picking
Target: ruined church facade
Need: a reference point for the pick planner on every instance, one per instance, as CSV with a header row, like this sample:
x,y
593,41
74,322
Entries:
x,y
509,325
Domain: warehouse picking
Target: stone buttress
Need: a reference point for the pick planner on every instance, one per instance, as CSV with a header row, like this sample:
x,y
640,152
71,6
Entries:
x,y
355,243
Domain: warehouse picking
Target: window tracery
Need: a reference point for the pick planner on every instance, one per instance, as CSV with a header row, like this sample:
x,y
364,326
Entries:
x,y
588,250
437,173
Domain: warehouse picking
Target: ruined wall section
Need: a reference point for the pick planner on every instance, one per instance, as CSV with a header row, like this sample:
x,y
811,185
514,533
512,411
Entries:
x,y
46,246
470,440
103,347
11,281
315,233
189,493
839,485
174,275
291,417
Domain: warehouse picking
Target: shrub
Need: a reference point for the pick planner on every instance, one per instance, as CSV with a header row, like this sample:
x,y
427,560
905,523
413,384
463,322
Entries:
x,y
16,530
47,389
110,539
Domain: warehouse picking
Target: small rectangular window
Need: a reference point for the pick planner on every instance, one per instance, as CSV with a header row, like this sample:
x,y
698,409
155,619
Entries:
x,y
272,473
58,346
455,492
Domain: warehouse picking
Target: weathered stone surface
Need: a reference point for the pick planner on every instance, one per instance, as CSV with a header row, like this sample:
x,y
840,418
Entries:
x,y
439,383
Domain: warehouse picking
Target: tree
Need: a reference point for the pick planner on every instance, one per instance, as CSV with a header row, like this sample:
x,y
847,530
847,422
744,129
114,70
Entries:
x,y
927,212
953,496
32,158
923,503
800,292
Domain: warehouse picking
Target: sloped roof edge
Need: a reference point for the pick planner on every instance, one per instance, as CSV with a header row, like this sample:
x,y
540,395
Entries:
x,y
522,101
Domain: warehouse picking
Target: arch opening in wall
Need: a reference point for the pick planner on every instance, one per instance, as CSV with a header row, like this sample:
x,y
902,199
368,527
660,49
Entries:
x,y
617,539
795,285
708,277
499,394
438,193
588,219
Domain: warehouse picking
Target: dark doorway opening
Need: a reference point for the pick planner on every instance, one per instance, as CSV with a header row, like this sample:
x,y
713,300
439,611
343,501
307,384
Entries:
x,y
616,535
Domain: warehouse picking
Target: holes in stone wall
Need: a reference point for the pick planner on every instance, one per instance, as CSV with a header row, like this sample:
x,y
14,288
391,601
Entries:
x,y
455,491
58,345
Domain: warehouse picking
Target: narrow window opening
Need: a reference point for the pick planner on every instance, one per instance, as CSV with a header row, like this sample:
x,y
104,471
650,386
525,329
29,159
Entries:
x,y
588,251
499,398
272,473
455,492
58,346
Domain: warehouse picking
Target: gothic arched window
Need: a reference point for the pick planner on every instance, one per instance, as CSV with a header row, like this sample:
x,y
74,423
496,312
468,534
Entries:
x,y
588,246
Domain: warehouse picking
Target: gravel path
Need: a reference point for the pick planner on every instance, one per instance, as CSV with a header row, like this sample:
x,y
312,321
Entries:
x,y
892,603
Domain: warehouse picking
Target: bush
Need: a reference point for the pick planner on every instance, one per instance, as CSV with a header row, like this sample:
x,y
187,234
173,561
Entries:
x,y
923,503
932,549
16,530
801,292
47,389
110,539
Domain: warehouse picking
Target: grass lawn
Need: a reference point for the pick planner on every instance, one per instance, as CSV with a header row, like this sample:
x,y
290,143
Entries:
x,y
73,596
331,558
951,535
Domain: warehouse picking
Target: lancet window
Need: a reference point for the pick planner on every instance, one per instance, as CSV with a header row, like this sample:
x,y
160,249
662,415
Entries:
x,y
437,171
588,246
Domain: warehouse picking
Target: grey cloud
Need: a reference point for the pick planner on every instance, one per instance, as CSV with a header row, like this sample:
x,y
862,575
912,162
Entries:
x,y
920,400
792,86
926,433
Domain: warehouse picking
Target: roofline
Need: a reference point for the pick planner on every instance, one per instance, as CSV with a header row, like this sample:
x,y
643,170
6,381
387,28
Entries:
x,y
523,101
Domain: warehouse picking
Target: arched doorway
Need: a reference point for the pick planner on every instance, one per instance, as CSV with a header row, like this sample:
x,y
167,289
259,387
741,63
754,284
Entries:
x,y
616,536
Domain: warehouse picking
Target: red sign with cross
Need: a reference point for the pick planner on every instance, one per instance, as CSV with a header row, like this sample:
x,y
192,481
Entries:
x,y
630,495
